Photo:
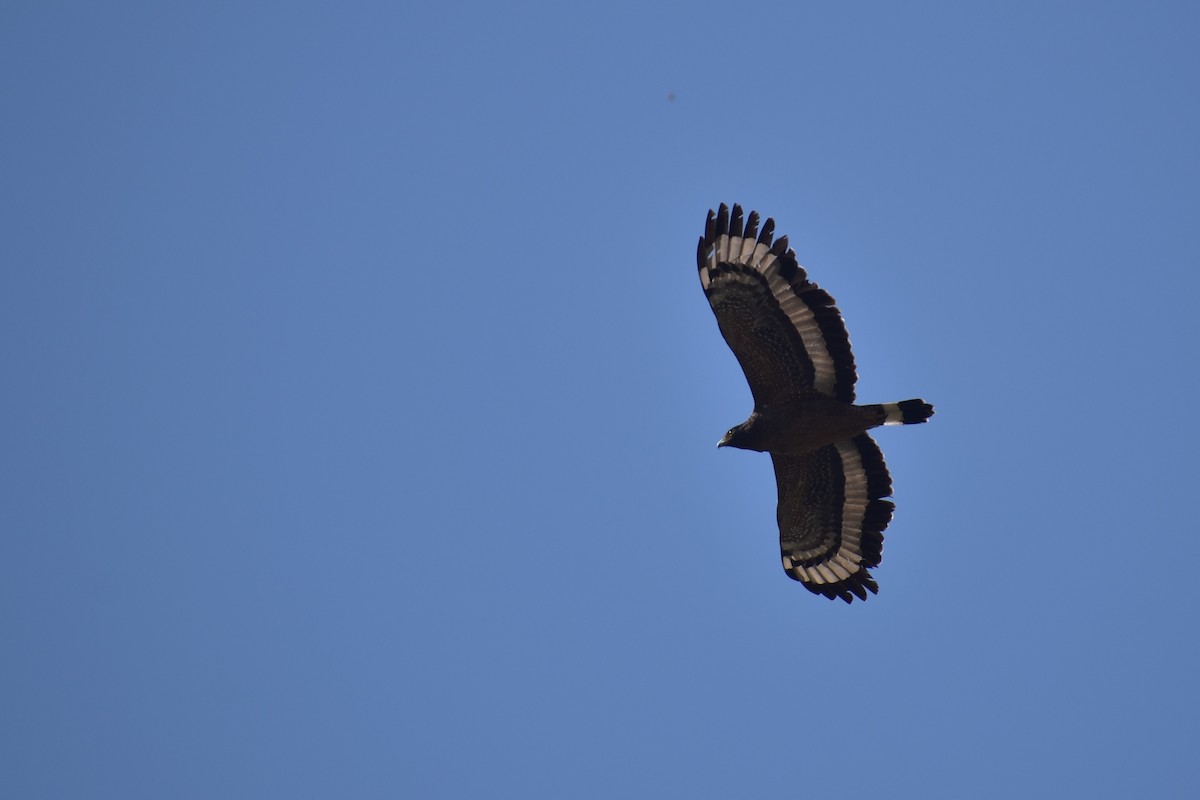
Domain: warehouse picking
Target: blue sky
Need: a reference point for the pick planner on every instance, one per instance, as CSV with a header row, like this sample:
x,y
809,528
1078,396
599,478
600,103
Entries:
x,y
360,400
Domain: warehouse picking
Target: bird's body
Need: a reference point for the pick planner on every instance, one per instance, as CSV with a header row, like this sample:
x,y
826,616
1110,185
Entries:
x,y
804,425
789,338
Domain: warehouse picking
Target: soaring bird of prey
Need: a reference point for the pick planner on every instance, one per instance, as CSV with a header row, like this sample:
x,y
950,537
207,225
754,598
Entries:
x,y
791,342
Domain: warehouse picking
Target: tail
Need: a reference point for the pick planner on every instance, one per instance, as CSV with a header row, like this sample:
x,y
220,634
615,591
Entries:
x,y
906,412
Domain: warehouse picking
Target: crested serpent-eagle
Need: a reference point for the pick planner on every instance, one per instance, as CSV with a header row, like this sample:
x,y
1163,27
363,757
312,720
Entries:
x,y
791,342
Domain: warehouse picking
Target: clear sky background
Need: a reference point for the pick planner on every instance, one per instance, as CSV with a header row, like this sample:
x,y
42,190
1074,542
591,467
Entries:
x,y
359,404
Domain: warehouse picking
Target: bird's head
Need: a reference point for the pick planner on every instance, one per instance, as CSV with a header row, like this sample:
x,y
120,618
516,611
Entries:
x,y
743,436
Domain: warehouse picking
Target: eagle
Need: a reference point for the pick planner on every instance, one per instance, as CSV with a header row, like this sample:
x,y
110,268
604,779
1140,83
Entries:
x,y
791,342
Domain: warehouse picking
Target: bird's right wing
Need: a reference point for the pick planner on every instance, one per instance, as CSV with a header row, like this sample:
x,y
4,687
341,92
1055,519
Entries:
x,y
832,516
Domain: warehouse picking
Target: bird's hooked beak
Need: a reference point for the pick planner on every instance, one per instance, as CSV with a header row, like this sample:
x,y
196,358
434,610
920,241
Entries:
x,y
724,441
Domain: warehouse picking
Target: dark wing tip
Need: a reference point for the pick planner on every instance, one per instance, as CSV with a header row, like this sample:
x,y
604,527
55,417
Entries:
x,y
733,221
768,231
736,225
722,220
752,225
857,585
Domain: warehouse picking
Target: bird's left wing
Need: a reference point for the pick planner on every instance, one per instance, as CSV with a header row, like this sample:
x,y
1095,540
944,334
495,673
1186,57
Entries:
x,y
785,330
832,516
